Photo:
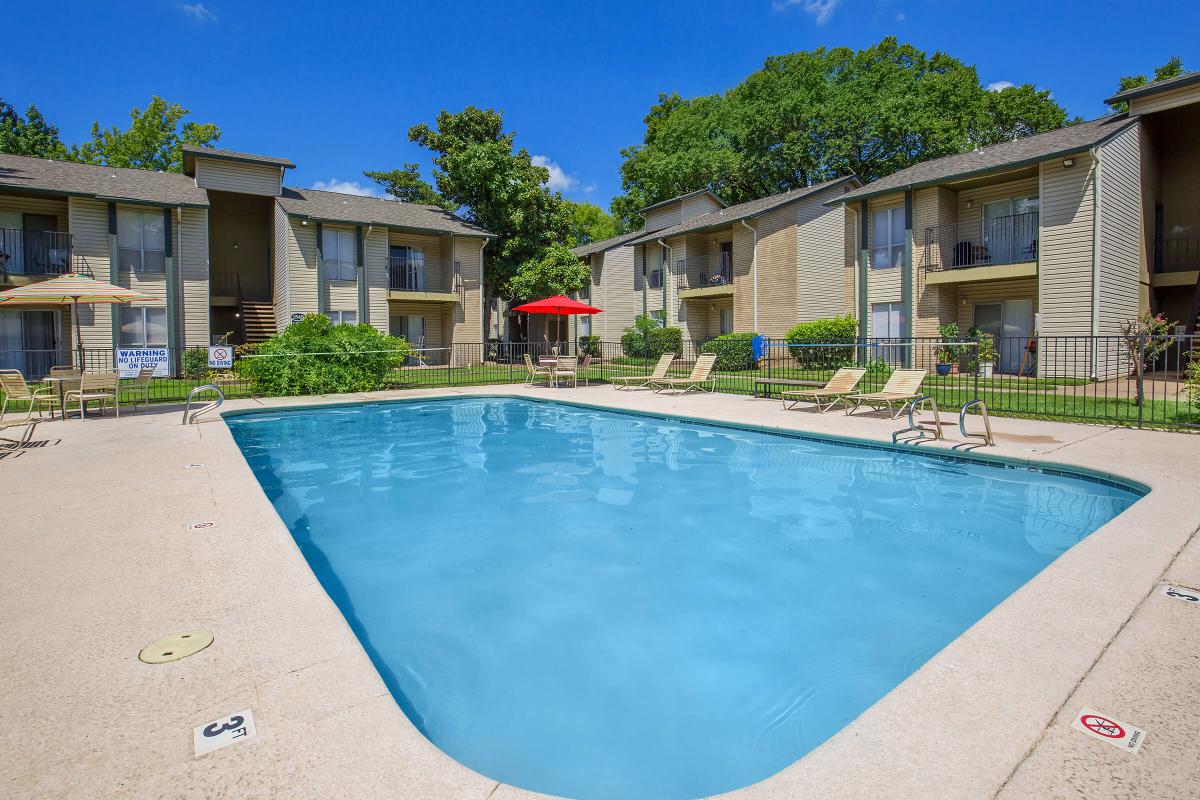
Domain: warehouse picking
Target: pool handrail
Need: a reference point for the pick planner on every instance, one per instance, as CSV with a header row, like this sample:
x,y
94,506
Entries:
x,y
203,409
915,427
988,439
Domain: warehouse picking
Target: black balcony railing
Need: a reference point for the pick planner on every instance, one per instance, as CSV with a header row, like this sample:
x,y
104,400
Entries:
x,y
424,275
700,272
34,252
984,242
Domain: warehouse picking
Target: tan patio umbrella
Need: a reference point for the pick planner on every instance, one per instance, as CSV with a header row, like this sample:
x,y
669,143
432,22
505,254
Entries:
x,y
71,289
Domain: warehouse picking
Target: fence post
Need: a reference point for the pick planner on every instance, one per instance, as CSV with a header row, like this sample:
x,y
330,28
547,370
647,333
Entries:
x,y
978,366
1141,360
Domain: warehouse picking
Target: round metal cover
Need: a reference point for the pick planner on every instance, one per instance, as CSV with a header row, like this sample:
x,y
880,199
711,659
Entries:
x,y
175,647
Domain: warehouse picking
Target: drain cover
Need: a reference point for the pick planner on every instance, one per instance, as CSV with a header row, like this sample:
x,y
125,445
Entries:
x,y
175,647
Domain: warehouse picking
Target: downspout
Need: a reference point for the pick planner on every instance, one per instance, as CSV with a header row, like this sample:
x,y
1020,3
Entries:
x,y
643,280
482,247
1095,153
666,276
753,268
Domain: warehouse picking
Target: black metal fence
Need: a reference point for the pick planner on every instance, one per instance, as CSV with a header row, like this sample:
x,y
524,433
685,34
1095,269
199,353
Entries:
x,y
1139,382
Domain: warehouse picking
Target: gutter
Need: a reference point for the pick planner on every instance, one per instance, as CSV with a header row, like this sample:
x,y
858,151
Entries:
x,y
482,247
1096,209
666,274
753,268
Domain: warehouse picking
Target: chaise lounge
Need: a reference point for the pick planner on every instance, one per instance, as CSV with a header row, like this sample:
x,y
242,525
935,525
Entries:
x,y
840,386
903,387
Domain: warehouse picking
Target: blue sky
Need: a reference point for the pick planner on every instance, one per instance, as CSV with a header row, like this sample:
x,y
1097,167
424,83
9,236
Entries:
x,y
335,86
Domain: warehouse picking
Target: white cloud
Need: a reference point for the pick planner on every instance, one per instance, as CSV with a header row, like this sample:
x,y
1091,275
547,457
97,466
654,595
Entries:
x,y
348,187
198,12
559,180
1000,86
821,10
901,16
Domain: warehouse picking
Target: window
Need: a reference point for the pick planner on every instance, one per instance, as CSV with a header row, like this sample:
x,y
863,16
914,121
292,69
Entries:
x,y
409,327
407,267
726,321
342,317
141,241
887,238
338,256
144,326
887,322
585,325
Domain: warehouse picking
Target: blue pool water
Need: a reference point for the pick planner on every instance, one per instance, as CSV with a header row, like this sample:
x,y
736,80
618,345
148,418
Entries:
x,y
601,605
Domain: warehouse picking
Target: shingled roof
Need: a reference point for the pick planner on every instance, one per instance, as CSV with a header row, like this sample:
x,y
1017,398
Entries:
x,y
190,151
1019,152
1178,82
747,210
44,176
352,208
591,248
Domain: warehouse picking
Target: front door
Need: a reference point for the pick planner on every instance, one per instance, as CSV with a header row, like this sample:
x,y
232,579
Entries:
x,y
1011,323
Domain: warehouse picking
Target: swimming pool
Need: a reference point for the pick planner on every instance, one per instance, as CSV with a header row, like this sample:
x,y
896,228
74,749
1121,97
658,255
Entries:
x,y
602,605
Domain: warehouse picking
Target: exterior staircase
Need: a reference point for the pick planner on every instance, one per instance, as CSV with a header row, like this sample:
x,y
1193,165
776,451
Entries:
x,y
258,320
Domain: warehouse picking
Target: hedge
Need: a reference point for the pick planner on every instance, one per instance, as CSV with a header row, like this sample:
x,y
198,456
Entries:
x,y
824,331
735,351
648,339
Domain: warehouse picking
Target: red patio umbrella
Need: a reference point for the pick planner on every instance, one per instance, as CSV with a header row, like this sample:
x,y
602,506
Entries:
x,y
560,306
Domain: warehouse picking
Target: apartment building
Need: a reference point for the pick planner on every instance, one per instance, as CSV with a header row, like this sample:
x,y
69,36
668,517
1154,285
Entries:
x,y
711,269
229,253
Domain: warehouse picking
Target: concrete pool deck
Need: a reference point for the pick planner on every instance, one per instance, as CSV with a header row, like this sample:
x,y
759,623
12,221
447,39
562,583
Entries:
x,y
100,561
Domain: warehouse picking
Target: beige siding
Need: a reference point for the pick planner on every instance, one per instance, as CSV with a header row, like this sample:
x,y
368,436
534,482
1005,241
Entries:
x,y
192,258
967,295
743,279
1122,260
933,208
279,255
464,323
664,217
820,277
88,223
231,176
1164,100
777,271
375,259
695,206
303,271
850,262
971,201
1065,247
616,294
435,315
48,206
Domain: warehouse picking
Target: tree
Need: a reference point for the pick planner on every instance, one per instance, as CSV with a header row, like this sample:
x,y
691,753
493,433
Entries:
x,y
589,223
154,139
814,115
406,184
556,271
1172,69
477,170
30,135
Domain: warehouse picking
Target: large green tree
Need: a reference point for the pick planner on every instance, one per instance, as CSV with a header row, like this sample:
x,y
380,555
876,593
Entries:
x,y
30,135
814,115
153,140
589,223
478,171
556,271
406,184
1172,69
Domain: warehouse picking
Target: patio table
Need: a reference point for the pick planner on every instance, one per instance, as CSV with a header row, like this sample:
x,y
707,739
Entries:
x,y
58,382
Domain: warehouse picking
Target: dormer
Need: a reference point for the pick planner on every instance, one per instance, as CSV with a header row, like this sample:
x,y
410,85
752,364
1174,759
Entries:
x,y
229,171
680,209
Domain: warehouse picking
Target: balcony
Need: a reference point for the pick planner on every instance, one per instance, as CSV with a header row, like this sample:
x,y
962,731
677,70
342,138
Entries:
x,y
1176,260
34,253
986,249
424,280
702,276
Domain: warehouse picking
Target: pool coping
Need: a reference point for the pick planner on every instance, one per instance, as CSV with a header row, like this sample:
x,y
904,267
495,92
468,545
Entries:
x,y
1043,683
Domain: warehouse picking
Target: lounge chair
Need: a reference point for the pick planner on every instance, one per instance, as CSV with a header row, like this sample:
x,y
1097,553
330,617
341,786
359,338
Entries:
x,y
534,373
101,386
701,378
584,366
139,388
565,367
29,422
640,381
903,387
843,383
13,384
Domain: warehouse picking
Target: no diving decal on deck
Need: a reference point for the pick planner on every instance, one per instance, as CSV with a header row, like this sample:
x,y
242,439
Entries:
x,y
1107,729
223,732
1180,593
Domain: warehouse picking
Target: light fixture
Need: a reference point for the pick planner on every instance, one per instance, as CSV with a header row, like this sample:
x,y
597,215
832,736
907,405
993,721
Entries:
x,y
963,300
1068,163
970,203
303,222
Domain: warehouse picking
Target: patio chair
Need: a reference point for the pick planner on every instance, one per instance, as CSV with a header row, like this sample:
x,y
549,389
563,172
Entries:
x,y
101,386
534,373
29,422
139,387
565,367
701,378
903,387
13,384
843,383
584,366
640,381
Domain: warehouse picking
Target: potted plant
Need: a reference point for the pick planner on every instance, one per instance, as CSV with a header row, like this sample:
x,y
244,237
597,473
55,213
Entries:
x,y
948,354
987,355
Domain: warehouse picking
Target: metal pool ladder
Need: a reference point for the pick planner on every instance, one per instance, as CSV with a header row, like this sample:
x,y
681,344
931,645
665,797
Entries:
x,y
203,409
915,427
987,437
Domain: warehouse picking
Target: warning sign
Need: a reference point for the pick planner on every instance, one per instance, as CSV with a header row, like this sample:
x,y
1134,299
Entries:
x,y
220,357
1107,729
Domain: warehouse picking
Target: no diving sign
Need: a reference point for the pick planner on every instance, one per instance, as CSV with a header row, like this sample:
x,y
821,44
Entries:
x,y
1107,729
220,357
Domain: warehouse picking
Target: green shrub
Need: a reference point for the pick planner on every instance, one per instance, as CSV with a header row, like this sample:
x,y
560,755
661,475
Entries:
x,y
195,364
1192,382
735,351
649,339
589,346
824,331
345,358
